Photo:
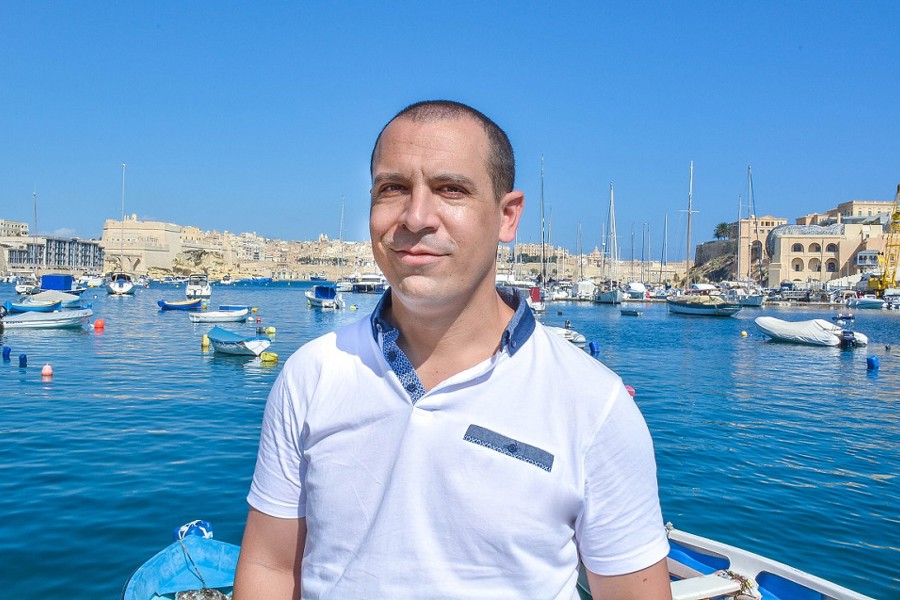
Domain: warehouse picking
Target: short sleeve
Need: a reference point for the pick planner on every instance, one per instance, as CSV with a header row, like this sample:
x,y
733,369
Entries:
x,y
620,529
278,480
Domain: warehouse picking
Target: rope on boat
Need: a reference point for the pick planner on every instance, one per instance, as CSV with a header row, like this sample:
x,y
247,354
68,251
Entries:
x,y
749,590
193,564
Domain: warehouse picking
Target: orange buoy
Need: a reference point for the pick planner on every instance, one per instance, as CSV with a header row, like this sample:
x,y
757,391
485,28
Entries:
x,y
99,324
47,370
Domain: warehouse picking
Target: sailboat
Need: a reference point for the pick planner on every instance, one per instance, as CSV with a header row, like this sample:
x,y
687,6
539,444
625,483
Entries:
x,y
121,283
754,297
702,298
535,298
613,294
343,284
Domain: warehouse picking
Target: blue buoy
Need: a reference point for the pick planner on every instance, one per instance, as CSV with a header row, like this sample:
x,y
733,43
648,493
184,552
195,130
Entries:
x,y
23,360
594,348
6,351
872,363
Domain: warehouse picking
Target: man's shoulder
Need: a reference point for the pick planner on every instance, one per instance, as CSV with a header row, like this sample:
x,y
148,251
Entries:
x,y
352,339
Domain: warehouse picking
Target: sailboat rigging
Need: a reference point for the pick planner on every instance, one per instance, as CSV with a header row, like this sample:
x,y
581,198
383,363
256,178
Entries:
x,y
121,283
613,294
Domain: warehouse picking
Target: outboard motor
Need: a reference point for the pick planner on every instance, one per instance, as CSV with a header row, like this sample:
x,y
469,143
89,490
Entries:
x,y
848,339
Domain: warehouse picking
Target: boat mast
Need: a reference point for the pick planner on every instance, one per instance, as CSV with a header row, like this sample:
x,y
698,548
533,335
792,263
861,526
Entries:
x,y
664,259
737,259
543,260
690,210
122,232
37,255
613,246
341,240
751,209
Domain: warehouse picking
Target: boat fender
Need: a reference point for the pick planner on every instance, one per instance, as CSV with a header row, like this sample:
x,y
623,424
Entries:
x,y
204,341
47,370
268,357
270,331
871,363
23,360
594,348
6,351
631,391
198,527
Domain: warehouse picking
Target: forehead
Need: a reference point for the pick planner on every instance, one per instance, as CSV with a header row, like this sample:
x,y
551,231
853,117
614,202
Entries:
x,y
436,144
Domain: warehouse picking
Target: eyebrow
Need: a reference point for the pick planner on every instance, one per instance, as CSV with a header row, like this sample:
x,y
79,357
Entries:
x,y
439,178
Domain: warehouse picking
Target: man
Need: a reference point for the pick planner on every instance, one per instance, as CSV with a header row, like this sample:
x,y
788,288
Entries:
x,y
449,446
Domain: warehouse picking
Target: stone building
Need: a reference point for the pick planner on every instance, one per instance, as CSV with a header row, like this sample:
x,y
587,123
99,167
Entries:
x,y
140,246
26,255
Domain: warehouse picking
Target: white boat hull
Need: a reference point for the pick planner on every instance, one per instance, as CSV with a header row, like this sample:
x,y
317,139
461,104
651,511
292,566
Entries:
x,y
610,297
219,316
63,319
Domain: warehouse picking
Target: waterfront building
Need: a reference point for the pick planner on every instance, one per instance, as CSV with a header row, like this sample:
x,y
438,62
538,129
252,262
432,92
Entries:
x,y
13,228
750,234
26,255
140,246
841,243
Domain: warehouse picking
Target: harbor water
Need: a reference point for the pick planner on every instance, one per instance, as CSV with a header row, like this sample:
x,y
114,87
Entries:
x,y
788,451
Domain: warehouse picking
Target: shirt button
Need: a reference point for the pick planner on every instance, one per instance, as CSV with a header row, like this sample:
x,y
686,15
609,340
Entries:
x,y
513,343
410,387
513,448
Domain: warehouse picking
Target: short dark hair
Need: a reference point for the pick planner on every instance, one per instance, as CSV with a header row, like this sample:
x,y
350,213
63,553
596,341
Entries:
x,y
501,161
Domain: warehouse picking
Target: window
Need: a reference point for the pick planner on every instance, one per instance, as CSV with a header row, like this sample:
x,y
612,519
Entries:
x,y
831,266
797,248
797,264
815,247
831,248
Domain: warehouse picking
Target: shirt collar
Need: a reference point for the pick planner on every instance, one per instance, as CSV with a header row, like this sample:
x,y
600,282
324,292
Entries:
x,y
517,332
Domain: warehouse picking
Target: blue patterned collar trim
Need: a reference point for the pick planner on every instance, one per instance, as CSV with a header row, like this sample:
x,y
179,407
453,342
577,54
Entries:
x,y
517,332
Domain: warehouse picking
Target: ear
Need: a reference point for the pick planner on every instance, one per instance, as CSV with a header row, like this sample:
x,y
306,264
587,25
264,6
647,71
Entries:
x,y
511,206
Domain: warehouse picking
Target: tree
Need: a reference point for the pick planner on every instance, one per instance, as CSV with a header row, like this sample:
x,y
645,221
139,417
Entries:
x,y
722,232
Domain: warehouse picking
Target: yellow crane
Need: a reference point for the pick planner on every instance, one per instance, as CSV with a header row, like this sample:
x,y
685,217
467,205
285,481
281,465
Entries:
x,y
889,258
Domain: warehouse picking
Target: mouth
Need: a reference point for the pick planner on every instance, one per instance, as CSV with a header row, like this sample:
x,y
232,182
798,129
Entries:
x,y
418,258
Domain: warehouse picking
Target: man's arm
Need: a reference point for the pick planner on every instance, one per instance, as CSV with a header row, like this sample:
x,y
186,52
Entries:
x,y
651,583
270,560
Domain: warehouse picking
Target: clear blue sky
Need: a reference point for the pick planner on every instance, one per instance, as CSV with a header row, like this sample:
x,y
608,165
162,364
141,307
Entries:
x,y
260,116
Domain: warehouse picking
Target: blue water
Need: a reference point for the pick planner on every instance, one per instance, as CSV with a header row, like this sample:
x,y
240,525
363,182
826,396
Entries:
x,y
789,451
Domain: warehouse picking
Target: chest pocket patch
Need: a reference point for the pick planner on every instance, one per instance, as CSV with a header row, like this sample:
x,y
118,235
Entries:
x,y
510,447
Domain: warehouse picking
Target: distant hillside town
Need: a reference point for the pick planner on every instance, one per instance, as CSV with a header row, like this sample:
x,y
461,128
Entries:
x,y
841,243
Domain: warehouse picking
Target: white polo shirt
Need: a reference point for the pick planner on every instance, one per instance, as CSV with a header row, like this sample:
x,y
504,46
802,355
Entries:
x,y
487,486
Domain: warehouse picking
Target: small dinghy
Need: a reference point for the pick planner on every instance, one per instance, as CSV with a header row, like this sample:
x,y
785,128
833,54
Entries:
x,y
814,332
190,304
219,316
229,342
31,305
193,567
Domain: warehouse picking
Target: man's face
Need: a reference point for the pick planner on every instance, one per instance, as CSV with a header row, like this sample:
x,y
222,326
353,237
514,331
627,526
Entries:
x,y
434,220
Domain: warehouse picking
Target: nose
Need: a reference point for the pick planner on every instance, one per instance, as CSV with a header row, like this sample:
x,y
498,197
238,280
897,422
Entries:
x,y
422,211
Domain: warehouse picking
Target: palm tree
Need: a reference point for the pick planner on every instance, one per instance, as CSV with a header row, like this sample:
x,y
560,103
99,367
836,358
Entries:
x,y
722,232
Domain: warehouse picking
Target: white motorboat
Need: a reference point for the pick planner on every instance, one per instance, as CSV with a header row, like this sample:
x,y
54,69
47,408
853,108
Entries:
x,y
120,284
219,316
198,286
813,332
867,301
325,296
62,319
